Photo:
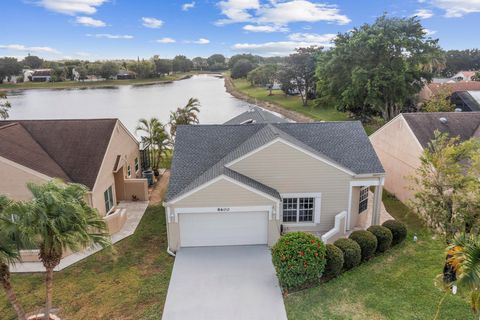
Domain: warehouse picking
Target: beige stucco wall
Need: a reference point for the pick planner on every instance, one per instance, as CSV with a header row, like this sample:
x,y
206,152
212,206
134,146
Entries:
x,y
291,171
121,143
137,187
14,179
222,193
399,152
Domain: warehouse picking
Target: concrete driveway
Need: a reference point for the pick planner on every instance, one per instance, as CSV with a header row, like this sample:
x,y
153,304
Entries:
x,y
233,282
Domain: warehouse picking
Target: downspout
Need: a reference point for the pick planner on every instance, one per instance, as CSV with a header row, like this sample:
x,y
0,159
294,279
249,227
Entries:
x,y
170,252
167,219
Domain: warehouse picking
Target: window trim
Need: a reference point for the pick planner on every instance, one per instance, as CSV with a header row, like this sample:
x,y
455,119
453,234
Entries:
x,y
316,209
108,210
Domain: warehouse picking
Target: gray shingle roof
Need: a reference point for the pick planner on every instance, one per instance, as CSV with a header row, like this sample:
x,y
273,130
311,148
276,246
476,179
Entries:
x,y
257,115
461,124
202,151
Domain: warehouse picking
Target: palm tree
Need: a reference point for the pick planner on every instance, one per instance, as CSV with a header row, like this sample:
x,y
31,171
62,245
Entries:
x,y
9,252
156,136
185,115
61,220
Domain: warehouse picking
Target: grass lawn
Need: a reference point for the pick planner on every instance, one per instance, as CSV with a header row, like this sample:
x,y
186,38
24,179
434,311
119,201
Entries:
x,y
396,285
128,284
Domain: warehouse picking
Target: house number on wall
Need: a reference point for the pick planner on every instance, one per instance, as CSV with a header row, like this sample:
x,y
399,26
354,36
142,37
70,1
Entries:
x,y
223,209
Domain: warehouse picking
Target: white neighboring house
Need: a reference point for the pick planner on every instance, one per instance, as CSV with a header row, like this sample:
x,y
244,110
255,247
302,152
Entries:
x,y
42,75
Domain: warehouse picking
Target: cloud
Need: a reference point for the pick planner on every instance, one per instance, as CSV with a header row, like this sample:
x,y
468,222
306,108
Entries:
x,y
165,40
21,47
71,7
457,8
429,32
202,41
110,36
279,13
264,28
187,6
282,48
151,22
90,22
423,13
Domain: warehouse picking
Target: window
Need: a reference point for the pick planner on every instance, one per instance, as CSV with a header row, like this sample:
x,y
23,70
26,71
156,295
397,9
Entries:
x,y
129,171
299,209
363,205
108,195
136,165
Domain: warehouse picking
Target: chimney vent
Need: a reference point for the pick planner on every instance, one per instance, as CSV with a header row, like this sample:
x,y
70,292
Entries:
x,y
443,120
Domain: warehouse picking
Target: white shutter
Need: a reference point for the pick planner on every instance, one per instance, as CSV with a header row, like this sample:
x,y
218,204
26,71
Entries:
x,y
318,201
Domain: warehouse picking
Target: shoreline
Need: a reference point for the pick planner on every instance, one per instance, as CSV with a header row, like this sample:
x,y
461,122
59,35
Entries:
x,y
106,84
289,114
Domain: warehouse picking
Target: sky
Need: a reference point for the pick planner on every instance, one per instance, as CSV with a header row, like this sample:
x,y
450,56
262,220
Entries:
x,y
115,29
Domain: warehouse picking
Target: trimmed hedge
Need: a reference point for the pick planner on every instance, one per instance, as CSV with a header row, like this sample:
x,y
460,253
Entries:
x,y
384,237
299,258
398,229
352,253
334,257
367,242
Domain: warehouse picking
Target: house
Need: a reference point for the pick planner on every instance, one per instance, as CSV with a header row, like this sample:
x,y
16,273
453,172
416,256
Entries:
x,y
464,76
98,153
42,75
432,89
400,143
245,184
126,75
256,115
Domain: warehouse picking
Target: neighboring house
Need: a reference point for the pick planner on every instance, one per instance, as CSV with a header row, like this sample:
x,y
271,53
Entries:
x,y
42,75
431,89
464,76
245,184
256,115
466,101
126,75
98,153
400,144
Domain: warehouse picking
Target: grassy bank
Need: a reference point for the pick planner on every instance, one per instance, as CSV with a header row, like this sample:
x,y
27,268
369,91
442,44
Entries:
x,y
130,284
396,285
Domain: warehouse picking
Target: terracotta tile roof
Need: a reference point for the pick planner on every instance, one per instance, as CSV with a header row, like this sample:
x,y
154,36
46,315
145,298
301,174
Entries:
x,y
454,87
69,149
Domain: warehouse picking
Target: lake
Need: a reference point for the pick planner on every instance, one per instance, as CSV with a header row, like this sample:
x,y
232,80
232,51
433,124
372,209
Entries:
x,y
129,103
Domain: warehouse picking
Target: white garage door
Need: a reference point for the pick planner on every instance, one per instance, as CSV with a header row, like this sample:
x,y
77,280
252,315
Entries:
x,y
223,228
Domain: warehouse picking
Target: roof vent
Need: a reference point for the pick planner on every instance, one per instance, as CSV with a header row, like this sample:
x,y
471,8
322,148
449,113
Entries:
x,y
458,110
443,120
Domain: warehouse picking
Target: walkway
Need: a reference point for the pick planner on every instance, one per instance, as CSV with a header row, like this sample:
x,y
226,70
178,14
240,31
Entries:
x,y
158,192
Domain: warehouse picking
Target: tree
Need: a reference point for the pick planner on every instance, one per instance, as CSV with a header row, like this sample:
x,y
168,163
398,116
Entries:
x,y
163,66
109,69
144,68
264,75
200,63
476,77
10,244
460,60
9,67
182,64
32,62
377,68
217,58
4,106
446,184
440,102
61,220
241,68
184,116
156,137
255,60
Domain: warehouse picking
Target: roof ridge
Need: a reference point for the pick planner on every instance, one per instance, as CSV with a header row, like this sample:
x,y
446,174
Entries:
x,y
9,125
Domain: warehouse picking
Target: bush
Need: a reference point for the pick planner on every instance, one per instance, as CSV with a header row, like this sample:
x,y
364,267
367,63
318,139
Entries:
x,y
367,242
398,229
352,253
241,68
334,258
384,237
299,258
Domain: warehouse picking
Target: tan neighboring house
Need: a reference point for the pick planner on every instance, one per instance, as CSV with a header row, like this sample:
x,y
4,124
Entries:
x,y
245,184
432,89
400,143
98,153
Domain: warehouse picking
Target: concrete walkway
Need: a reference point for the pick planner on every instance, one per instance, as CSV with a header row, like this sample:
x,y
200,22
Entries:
x,y
220,283
135,211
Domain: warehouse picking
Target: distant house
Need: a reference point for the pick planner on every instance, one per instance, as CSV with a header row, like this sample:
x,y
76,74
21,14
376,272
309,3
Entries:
x,y
42,75
464,76
465,95
126,75
400,143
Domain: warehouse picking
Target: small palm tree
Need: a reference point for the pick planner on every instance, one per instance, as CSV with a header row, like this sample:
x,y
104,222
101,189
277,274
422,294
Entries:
x,y
156,136
62,220
9,252
185,115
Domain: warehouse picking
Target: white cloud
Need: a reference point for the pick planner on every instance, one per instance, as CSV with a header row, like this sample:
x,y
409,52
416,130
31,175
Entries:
x,y
151,22
457,8
110,36
21,47
279,13
282,48
165,40
71,7
429,32
90,22
264,28
187,6
423,13
202,41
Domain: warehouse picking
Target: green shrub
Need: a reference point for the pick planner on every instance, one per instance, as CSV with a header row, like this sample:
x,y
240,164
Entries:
x,y
367,242
299,258
334,257
352,253
398,229
384,237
